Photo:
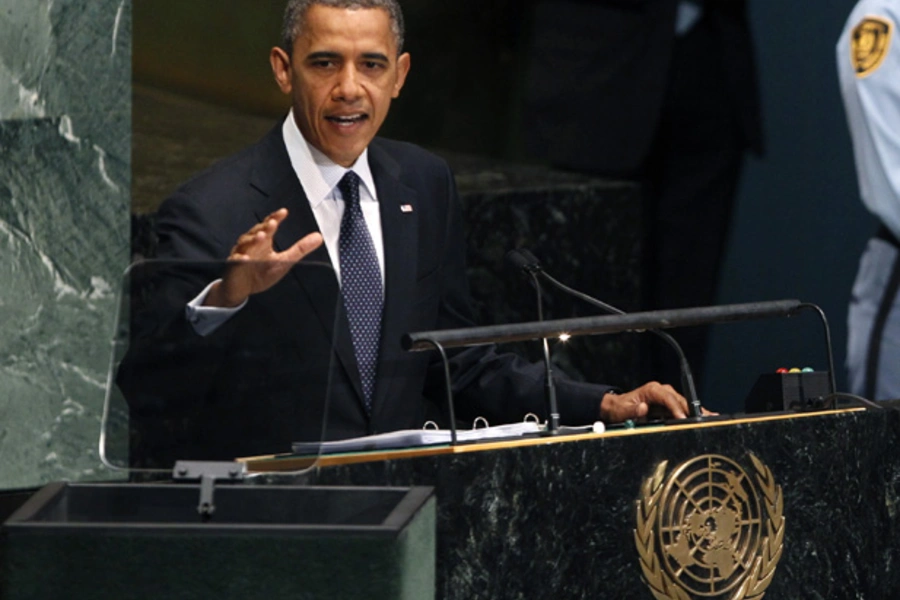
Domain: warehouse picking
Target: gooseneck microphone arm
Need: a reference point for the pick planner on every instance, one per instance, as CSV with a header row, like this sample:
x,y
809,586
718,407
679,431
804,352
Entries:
x,y
827,331
526,261
549,385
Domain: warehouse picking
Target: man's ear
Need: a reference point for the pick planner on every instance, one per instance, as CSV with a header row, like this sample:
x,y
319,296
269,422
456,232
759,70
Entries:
x,y
281,69
402,72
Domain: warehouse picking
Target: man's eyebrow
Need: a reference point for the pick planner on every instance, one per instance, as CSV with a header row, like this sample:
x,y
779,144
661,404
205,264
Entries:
x,y
375,56
326,54
322,54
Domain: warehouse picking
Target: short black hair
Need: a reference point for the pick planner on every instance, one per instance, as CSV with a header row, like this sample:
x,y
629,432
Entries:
x,y
295,13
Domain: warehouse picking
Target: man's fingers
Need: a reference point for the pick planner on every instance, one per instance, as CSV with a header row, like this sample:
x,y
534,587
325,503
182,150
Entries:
x,y
278,216
672,400
265,228
303,247
677,406
666,396
639,402
250,239
640,410
310,242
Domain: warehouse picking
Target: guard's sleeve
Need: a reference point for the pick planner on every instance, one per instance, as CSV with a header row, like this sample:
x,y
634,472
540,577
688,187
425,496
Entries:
x,y
869,68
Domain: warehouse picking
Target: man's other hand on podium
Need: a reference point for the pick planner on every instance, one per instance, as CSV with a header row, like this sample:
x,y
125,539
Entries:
x,y
637,404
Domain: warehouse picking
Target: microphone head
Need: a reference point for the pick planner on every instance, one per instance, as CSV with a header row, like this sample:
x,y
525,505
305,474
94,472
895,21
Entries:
x,y
519,260
531,258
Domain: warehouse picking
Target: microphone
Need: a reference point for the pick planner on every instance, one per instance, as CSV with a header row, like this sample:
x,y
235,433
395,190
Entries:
x,y
549,385
527,262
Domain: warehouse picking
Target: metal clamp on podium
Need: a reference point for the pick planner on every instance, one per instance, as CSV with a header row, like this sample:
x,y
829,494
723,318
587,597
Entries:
x,y
208,473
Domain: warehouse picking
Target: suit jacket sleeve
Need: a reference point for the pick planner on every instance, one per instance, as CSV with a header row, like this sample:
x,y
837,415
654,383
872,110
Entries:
x,y
168,366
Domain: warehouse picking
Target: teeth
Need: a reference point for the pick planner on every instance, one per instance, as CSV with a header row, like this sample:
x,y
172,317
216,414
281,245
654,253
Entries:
x,y
352,119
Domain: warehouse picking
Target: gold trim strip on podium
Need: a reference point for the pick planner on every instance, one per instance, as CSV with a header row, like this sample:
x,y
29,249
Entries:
x,y
291,462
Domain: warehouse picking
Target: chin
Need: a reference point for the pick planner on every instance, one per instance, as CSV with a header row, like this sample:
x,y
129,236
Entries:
x,y
345,154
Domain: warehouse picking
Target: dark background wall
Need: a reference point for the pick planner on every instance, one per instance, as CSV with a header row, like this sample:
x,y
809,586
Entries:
x,y
460,96
798,228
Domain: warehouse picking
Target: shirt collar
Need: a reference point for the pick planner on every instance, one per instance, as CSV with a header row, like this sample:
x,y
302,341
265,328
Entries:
x,y
318,174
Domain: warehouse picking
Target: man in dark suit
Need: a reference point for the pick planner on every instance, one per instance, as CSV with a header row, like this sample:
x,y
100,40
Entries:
x,y
246,366
664,93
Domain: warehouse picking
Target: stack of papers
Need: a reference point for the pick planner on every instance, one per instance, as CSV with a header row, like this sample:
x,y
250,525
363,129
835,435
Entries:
x,y
411,438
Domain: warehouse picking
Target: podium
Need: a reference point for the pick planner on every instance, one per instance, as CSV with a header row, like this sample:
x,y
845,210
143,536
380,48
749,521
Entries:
x,y
164,535
569,517
791,505
112,541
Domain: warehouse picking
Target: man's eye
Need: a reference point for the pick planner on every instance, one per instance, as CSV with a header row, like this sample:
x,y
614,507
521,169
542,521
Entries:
x,y
371,65
322,64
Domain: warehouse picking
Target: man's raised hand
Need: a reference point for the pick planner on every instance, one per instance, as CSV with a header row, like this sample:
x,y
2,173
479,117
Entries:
x,y
254,265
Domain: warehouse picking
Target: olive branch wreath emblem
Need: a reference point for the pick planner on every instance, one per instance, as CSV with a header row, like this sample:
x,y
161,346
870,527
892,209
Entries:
x,y
760,572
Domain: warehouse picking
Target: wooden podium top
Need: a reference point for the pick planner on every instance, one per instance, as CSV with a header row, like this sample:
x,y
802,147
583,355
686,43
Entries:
x,y
292,462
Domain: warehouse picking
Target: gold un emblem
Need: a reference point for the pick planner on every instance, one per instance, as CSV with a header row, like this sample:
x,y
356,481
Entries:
x,y
710,530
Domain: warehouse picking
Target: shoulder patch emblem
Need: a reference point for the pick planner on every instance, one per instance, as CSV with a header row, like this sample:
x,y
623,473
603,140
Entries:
x,y
869,44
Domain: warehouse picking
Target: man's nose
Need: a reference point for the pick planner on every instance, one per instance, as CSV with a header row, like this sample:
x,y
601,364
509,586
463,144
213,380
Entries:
x,y
348,87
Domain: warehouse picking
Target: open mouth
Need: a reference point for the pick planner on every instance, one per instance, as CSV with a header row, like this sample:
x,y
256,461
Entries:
x,y
347,120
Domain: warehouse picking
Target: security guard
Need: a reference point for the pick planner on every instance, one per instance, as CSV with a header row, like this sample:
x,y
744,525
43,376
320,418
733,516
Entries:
x,y
868,62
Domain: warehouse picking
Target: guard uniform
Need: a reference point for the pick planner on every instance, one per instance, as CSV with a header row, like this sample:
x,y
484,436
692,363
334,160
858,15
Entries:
x,y
868,62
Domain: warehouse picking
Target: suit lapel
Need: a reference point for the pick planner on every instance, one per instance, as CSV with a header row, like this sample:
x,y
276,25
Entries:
x,y
399,225
274,176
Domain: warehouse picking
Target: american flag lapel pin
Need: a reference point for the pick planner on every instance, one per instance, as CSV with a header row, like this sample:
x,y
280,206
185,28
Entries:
x,y
406,208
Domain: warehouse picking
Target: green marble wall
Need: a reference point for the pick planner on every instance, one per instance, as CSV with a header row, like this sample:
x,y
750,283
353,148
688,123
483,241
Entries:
x,y
65,146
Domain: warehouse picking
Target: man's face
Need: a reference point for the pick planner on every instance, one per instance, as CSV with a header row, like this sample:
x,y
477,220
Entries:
x,y
342,75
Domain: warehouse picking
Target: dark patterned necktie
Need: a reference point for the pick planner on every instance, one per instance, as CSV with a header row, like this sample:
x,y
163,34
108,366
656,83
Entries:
x,y
360,284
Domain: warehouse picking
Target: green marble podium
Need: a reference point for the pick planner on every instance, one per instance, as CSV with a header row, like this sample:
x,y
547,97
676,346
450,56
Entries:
x,y
574,518
147,541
